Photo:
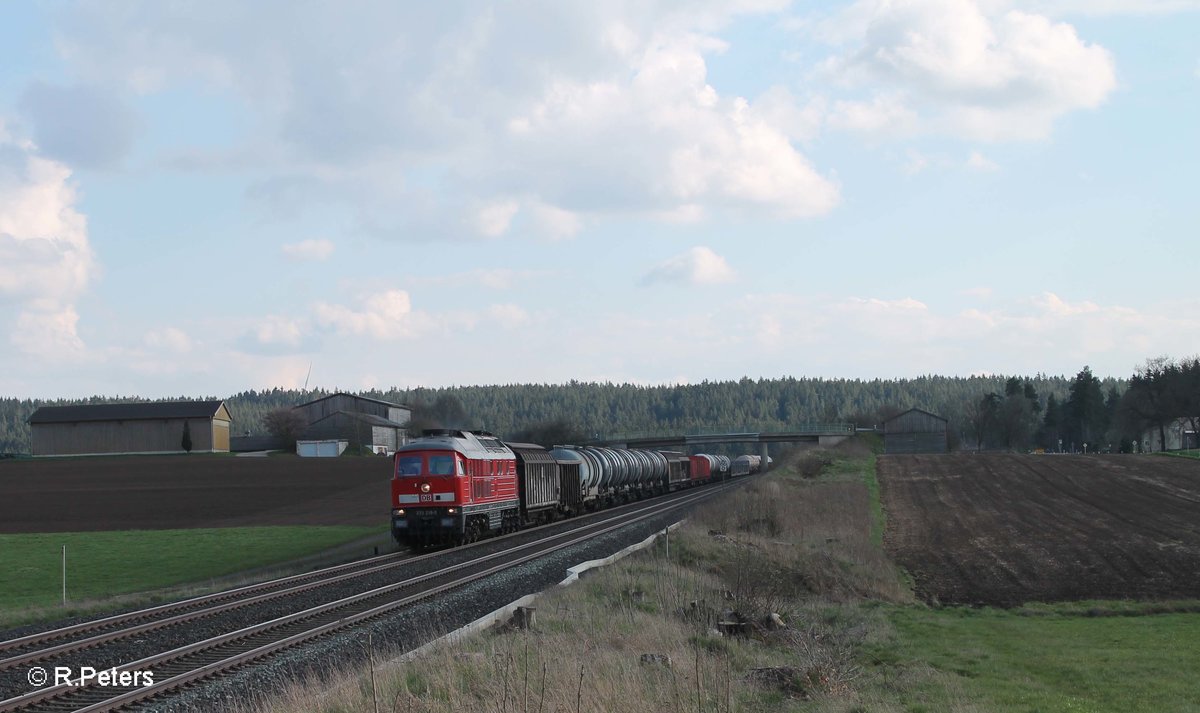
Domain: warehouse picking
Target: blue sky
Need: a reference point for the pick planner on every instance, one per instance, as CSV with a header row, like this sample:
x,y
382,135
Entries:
x,y
202,198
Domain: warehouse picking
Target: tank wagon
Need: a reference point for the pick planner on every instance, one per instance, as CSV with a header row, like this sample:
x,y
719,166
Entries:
x,y
746,465
455,486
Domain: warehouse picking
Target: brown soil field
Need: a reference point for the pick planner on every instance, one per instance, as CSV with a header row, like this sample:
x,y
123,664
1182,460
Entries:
x,y
170,492
1005,530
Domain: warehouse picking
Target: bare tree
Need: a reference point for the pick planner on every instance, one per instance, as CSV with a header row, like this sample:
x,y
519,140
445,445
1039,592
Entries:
x,y
286,424
981,417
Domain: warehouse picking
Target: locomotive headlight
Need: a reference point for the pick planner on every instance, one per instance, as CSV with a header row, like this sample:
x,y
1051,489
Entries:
x,y
450,511
424,487
398,513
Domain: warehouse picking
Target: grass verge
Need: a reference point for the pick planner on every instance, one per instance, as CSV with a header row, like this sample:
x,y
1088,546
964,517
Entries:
x,y
104,565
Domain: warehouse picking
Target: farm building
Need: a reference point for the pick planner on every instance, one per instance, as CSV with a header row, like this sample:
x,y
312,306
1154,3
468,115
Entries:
x,y
156,427
1180,434
915,431
378,425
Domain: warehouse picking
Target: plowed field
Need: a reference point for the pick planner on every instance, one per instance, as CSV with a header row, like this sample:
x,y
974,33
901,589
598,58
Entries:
x,y
170,492
1009,529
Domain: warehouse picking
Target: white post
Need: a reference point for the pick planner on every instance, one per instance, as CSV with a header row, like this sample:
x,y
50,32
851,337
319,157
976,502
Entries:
x,y
64,574
667,539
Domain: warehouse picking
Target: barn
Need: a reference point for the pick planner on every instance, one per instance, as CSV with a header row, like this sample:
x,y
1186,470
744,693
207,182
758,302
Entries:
x,y
362,421
105,429
915,431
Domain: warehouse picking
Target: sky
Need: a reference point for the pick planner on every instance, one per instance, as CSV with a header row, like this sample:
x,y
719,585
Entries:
x,y
201,198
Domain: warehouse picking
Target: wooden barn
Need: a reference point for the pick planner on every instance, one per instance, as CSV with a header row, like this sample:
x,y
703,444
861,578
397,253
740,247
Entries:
x,y
915,431
363,422
105,429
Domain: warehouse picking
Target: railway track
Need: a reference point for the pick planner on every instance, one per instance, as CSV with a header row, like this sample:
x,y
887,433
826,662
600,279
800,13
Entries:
x,y
40,646
232,650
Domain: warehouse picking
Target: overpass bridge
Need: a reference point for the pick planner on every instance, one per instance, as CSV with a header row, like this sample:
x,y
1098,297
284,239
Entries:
x,y
816,434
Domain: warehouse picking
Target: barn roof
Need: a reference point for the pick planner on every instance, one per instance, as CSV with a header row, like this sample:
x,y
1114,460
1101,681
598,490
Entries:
x,y
354,396
917,410
127,412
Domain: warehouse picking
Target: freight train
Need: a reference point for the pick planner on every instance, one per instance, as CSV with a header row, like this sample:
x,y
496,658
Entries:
x,y
454,486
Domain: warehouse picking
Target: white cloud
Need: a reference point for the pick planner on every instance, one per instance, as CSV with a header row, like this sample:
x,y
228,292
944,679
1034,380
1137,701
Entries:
x,y
686,214
496,278
48,331
507,315
384,316
308,250
553,222
779,108
664,140
915,162
1052,305
978,162
493,219
884,114
169,339
46,260
503,278
1109,7
275,330
967,67
698,266
769,330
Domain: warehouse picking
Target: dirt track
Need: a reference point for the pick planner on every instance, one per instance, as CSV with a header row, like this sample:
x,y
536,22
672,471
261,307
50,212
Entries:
x,y
166,492
1010,529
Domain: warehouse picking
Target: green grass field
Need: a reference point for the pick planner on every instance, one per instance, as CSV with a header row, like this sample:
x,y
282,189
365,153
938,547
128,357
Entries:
x,y
1055,658
102,565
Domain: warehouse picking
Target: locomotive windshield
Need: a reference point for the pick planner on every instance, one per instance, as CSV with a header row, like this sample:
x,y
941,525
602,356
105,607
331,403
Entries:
x,y
409,465
437,465
441,465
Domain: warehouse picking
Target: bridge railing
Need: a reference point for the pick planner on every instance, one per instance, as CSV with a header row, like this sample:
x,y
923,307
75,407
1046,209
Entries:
x,y
813,428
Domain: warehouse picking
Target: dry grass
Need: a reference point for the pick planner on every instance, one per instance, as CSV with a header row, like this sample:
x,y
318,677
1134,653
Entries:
x,y
692,633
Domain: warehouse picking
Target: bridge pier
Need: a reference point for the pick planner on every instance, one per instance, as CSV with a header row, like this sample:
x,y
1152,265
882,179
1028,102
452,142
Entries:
x,y
762,453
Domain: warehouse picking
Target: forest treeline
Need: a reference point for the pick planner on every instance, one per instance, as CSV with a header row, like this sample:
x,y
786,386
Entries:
x,y
608,409
983,411
1163,395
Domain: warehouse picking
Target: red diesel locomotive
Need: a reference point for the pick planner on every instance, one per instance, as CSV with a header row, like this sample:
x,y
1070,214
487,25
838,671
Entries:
x,y
454,486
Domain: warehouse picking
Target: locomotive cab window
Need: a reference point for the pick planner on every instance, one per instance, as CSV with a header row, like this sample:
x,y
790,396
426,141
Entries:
x,y
441,465
409,465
